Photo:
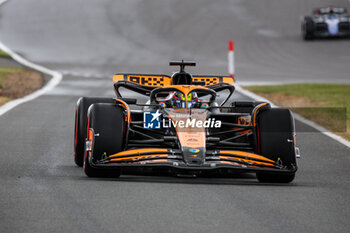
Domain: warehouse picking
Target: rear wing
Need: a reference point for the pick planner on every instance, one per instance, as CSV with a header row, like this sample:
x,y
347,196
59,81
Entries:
x,y
213,80
328,10
158,80
146,80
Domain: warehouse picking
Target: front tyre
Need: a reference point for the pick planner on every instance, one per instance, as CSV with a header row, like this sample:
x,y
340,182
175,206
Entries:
x,y
107,123
273,178
276,141
83,105
308,28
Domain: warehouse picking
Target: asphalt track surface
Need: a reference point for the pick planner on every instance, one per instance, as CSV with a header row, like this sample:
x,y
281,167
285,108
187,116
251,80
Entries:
x,y
41,189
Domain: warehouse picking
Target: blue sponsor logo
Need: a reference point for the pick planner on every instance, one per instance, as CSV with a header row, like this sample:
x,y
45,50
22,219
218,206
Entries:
x,y
151,120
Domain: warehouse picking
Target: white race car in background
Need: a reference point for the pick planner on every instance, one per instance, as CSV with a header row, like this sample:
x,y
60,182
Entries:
x,y
326,22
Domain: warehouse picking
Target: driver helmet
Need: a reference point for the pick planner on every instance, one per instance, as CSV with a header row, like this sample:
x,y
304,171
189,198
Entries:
x,y
192,100
332,16
179,100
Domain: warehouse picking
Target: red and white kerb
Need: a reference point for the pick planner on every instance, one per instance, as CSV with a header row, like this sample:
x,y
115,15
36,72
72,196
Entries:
x,y
231,58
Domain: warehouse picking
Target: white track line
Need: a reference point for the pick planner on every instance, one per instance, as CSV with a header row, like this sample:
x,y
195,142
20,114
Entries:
x,y
56,78
86,74
296,116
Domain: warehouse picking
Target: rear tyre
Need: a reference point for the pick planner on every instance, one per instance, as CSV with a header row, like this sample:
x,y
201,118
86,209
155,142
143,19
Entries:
x,y
276,142
308,29
83,105
108,124
244,106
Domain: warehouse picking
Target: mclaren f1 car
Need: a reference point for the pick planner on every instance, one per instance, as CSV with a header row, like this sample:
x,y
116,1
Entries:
x,y
326,22
185,127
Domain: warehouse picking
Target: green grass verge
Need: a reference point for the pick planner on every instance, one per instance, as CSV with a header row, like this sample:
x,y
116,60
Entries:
x,y
6,71
3,54
332,102
3,72
16,82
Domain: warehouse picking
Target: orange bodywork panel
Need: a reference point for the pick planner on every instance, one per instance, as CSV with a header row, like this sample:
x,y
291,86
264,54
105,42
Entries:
x,y
243,153
155,156
231,154
192,137
136,151
246,160
142,162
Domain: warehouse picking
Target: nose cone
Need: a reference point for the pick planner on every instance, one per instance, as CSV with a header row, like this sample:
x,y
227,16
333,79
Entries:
x,y
332,26
194,156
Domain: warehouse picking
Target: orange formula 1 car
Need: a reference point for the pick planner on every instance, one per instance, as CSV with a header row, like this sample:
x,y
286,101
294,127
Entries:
x,y
184,128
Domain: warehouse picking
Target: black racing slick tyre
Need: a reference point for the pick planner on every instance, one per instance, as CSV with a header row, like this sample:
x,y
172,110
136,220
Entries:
x,y
107,122
243,106
276,131
83,105
308,29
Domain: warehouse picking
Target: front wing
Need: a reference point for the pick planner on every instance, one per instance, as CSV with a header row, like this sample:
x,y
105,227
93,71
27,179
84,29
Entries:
x,y
215,160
